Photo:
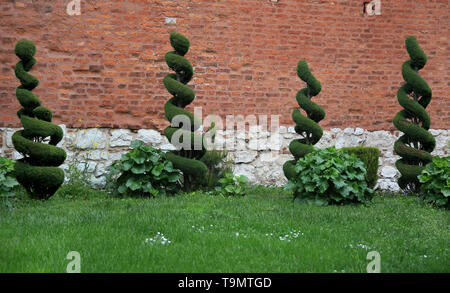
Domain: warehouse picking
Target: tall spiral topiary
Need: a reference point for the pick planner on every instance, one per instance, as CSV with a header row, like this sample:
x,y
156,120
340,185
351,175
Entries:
x,y
307,126
415,146
188,154
37,171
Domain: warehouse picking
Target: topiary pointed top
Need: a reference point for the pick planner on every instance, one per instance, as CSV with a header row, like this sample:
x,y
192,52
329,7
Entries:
x,y
180,43
25,50
305,74
417,55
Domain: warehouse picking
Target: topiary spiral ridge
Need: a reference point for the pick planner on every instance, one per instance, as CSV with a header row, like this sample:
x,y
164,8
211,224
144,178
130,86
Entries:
x,y
186,157
415,146
37,171
307,126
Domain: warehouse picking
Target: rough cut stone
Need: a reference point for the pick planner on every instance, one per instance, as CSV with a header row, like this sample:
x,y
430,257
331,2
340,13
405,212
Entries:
x,y
335,130
270,156
64,129
348,130
114,156
275,142
9,133
100,170
359,131
388,172
97,155
245,156
387,185
98,182
381,139
325,141
257,144
120,138
92,138
149,136
16,156
345,140
270,175
168,147
282,158
244,169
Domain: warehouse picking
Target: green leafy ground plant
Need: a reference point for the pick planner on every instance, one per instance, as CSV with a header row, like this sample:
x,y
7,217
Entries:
x,y
231,185
330,176
435,179
369,156
7,180
218,166
144,171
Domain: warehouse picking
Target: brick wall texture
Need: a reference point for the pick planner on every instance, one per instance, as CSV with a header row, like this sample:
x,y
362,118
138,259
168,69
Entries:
x,y
104,68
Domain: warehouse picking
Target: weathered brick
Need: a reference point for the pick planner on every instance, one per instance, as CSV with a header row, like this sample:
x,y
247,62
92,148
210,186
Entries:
x,y
105,67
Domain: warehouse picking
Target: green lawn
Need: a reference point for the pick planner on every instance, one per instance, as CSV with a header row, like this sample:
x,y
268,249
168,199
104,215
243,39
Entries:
x,y
217,234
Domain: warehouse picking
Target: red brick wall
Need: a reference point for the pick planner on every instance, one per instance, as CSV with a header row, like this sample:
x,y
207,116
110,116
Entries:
x,y
105,67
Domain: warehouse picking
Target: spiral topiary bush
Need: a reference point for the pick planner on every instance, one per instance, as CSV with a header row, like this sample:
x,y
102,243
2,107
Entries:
x,y
415,146
188,154
37,171
307,126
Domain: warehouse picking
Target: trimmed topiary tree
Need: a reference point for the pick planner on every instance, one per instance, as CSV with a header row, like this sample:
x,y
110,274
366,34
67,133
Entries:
x,y
190,146
415,146
369,156
37,171
307,126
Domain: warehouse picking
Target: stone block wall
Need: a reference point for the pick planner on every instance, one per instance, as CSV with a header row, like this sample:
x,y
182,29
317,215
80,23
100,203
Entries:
x,y
257,154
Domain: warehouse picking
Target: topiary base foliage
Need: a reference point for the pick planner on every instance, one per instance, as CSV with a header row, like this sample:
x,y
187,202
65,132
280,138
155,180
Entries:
x,y
188,155
37,171
307,126
329,176
435,179
415,146
8,180
370,157
143,171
